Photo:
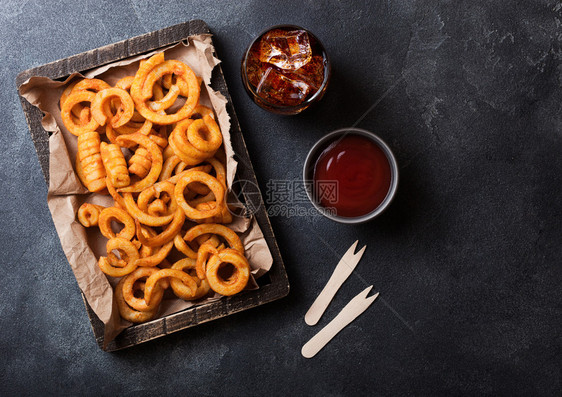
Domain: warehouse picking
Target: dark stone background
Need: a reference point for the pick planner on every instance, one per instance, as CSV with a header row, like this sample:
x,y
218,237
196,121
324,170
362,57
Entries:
x,y
467,259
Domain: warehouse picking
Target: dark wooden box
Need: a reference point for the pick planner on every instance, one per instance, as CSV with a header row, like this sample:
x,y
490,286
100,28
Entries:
x,y
273,285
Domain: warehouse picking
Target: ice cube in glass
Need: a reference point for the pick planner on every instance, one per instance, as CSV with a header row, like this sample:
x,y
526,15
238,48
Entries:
x,y
287,50
276,87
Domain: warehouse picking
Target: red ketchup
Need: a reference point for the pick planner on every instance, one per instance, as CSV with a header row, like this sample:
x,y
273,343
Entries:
x,y
362,172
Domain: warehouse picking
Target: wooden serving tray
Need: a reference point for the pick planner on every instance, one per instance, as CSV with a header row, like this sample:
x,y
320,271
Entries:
x,y
273,285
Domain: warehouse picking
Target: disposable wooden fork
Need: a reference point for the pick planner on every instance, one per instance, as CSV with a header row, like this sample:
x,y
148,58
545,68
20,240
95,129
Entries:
x,y
342,271
349,313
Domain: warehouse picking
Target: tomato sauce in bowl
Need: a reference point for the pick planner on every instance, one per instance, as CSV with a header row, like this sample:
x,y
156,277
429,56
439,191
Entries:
x,y
352,175
361,171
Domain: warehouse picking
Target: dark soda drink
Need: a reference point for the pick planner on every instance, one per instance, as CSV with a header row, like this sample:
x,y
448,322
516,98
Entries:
x,y
286,69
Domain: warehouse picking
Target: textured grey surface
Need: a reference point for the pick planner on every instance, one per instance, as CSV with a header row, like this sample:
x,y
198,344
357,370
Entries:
x,y
467,259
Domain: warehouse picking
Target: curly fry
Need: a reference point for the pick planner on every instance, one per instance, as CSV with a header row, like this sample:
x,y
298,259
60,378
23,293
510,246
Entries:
x,y
225,215
113,213
195,187
199,188
168,152
174,67
237,281
144,251
95,85
219,168
126,311
160,138
174,179
153,280
155,167
166,67
182,246
198,176
139,163
90,85
167,235
180,151
205,250
129,254
157,91
156,258
72,100
119,201
163,191
228,234
168,168
180,289
76,109
84,116
183,148
143,127
88,214
141,304
144,68
90,160
167,101
143,217
204,134
209,197
99,107
181,167
206,238
125,83
115,164
157,207
191,252
169,80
